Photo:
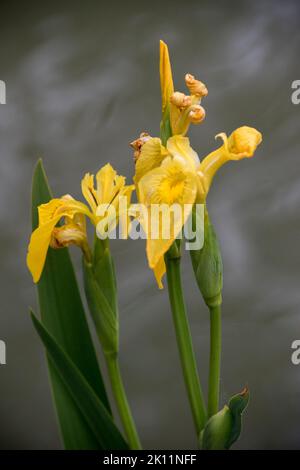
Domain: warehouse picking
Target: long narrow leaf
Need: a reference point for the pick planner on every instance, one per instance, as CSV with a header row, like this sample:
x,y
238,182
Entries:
x,y
63,315
97,417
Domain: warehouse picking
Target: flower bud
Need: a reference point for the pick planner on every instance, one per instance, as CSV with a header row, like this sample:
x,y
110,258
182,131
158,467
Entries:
x,y
207,265
181,100
196,114
195,86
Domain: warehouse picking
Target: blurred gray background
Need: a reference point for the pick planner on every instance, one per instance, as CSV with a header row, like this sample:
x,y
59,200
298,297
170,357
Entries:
x,y
82,81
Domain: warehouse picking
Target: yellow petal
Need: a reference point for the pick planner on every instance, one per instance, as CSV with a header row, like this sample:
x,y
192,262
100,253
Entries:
x,y
166,80
47,211
38,247
159,270
170,184
151,155
89,192
179,147
49,215
123,210
108,184
243,142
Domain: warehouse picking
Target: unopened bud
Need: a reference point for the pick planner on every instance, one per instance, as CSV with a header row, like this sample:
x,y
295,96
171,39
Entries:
x,y
195,86
181,100
196,114
207,265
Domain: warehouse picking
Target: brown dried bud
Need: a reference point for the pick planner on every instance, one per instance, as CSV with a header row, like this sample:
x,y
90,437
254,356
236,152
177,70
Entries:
x,y
138,144
195,86
181,100
196,114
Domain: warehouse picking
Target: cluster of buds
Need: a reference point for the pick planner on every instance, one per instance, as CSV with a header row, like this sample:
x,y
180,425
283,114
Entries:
x,y
186,109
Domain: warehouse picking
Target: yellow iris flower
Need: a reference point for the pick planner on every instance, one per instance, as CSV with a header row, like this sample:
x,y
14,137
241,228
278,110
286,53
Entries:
x,y
173,174
109,188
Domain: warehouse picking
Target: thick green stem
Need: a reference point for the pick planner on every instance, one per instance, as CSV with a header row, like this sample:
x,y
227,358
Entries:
x,y
184,341
122,403
215,360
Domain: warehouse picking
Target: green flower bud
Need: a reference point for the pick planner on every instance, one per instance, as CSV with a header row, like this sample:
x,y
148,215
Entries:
x,y
224,428
207,265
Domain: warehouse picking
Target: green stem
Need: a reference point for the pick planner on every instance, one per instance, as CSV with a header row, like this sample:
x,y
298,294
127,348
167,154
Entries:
x,y
215,360
121,401
184,341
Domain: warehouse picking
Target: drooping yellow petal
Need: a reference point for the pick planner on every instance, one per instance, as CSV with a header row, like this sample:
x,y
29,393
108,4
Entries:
x,y
38,247
49,216
159,271
242,143
151,155
168,192
179,147
165,70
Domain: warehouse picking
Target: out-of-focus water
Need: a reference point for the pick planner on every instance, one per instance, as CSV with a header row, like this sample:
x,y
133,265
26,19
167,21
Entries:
x,y
82,81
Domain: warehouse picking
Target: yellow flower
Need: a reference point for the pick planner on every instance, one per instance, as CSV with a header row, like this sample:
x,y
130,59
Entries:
x,y
109,188
173,175
165,176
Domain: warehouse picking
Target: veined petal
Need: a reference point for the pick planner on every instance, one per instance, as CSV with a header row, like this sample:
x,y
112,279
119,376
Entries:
x,y
123,209
151,155
89,192
170,188
170,183
179,147
108,184
166,80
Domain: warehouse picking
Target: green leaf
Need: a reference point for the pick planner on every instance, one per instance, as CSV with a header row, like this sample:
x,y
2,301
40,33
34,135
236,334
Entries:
x,y
224,428
63,315
96,415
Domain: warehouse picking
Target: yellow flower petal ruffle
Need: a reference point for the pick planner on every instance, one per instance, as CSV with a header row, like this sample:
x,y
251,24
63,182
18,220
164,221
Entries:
x,y
49,216
151,156
179,147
